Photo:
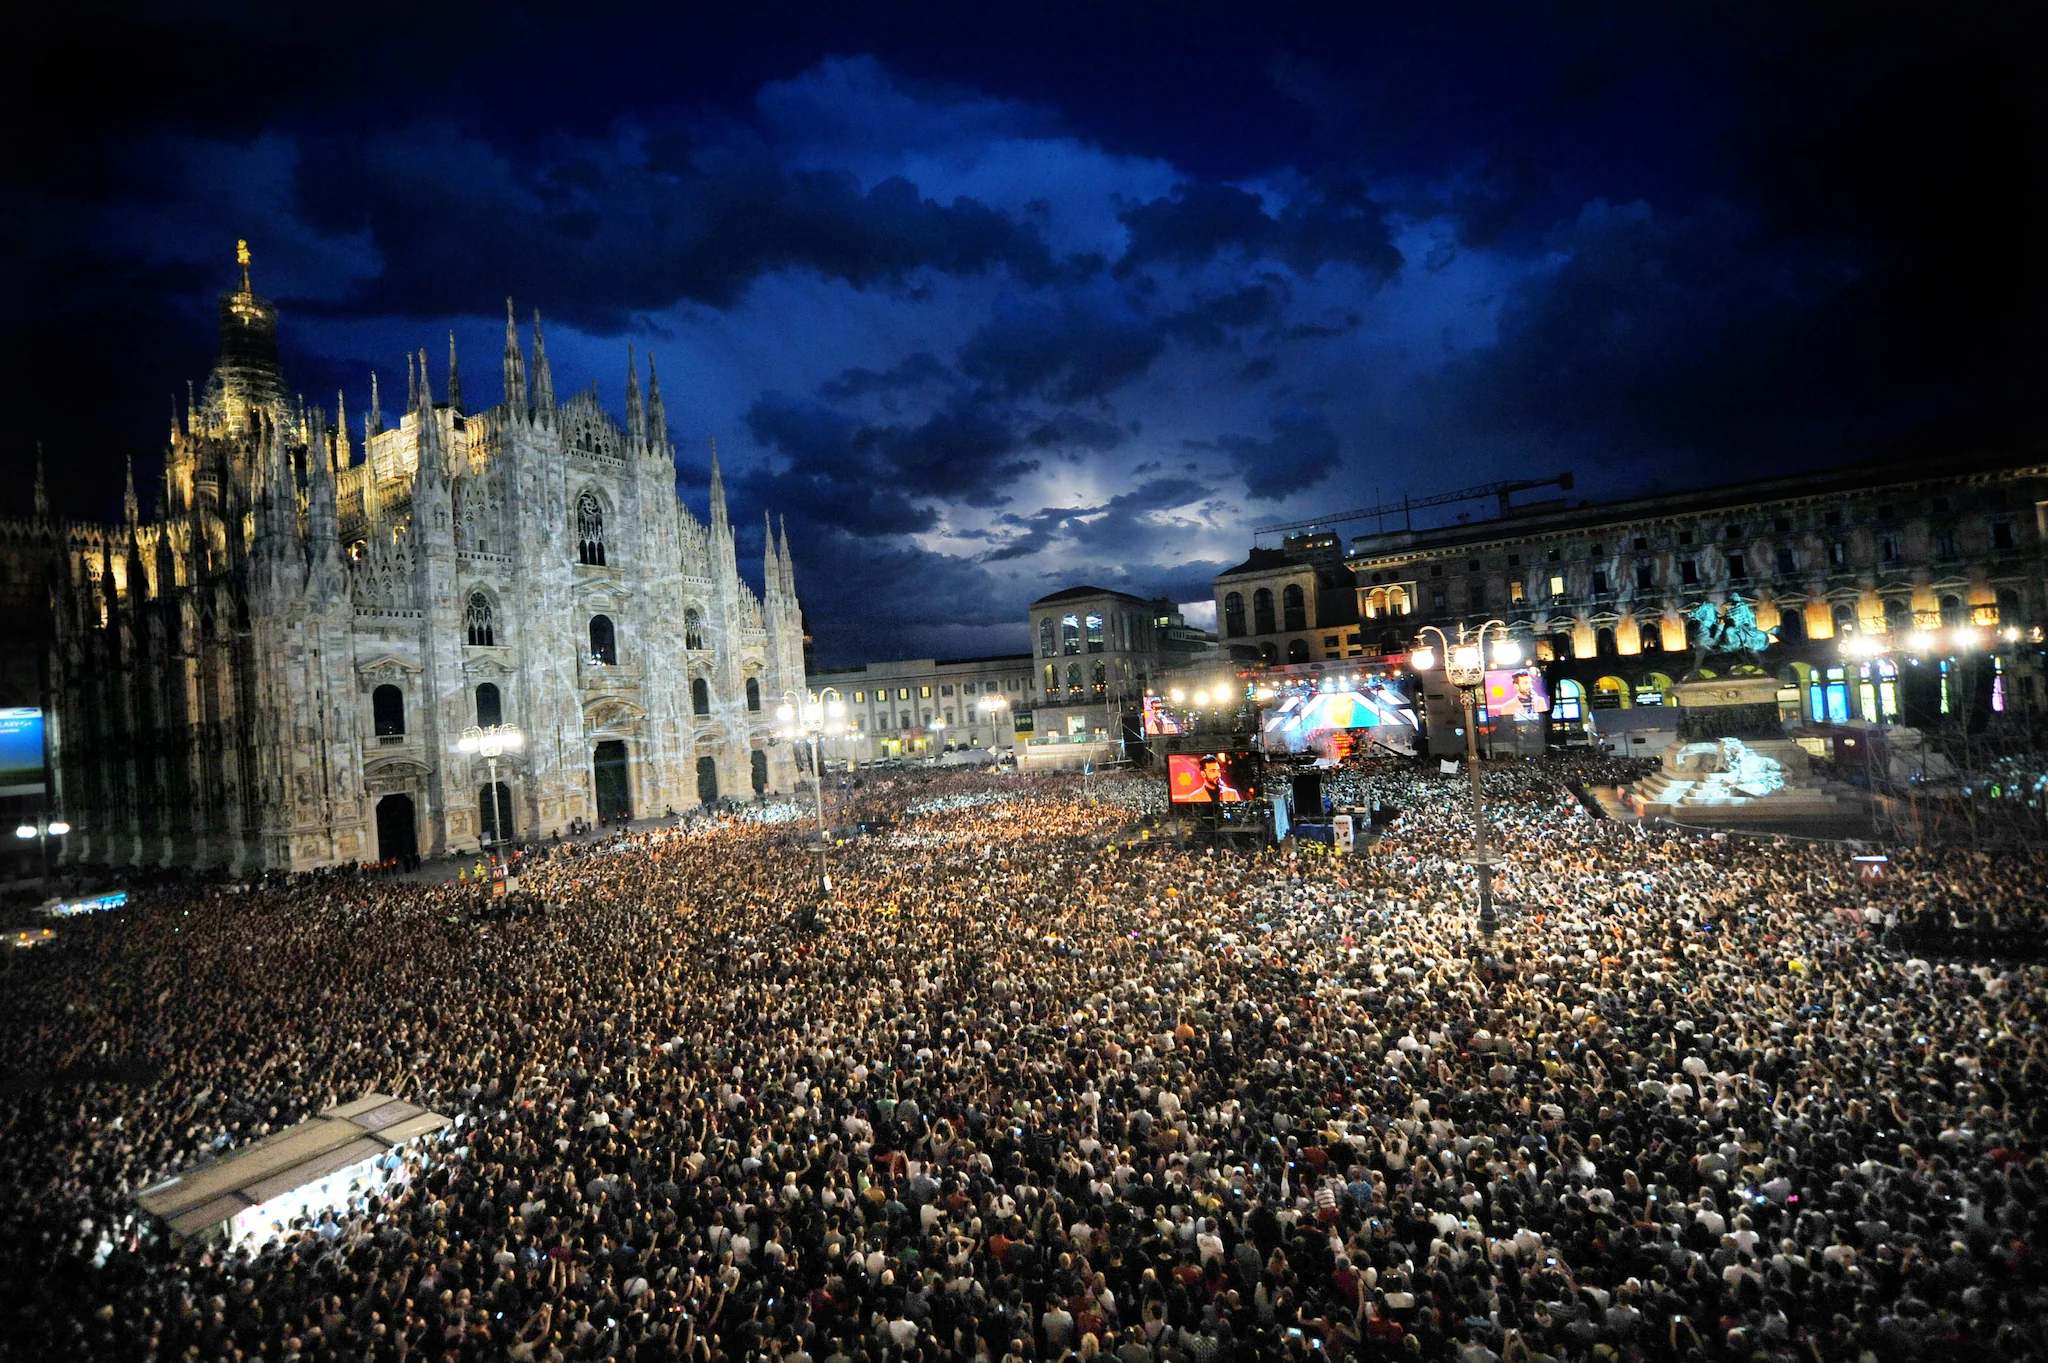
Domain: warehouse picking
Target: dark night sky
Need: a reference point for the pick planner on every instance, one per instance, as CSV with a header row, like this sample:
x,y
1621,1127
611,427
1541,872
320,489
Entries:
x,y
993,299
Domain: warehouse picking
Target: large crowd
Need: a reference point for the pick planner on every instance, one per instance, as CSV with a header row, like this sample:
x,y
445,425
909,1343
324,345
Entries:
x,y
1039,1081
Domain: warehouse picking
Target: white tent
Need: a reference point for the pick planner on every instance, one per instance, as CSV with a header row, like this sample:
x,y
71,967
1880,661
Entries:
x,y
308,1167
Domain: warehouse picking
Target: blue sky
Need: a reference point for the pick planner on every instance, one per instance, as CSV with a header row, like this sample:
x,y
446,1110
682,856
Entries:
x,y
989,305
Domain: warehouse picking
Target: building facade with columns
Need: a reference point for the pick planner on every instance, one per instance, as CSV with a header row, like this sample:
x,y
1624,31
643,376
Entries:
x,y
275,668
1874,579
922,707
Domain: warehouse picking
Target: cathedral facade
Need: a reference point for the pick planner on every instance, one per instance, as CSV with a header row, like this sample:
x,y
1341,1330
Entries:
x,y
277,668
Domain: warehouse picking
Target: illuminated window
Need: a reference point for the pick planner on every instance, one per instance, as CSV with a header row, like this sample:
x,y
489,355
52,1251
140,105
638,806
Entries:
x,y
1094,633
903,693
1515,592
859,697
1556,586
1070,634
924,693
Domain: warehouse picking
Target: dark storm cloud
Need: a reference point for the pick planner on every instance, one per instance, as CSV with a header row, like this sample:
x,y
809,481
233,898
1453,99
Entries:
x,y
603,230
1302,452
1331,220
1656,335
1080,344
913,371
1109,536
865,476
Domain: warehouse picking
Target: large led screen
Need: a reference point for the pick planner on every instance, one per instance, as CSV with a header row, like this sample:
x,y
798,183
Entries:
x,y
21,751
1211,778
1511,694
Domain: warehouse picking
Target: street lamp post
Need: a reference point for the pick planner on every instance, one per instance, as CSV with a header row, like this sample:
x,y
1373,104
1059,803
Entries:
x,y
1465,668
491,742
813,718
42,830
992,708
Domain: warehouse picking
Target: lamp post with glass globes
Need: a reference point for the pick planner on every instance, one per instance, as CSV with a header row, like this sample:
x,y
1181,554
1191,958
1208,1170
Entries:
x,y
491,742
992,708
1465,668
42,830
815,718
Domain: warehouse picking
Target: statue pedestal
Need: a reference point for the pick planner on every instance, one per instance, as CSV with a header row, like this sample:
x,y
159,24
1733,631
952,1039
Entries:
x,y
1732,759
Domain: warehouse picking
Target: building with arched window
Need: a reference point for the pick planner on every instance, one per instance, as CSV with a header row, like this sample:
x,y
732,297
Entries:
x,y
327,604
1295,603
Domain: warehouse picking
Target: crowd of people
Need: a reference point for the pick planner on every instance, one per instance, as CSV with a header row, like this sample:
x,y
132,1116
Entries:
x,y
1040,1081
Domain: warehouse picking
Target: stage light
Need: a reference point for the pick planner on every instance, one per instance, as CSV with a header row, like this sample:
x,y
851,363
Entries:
x,y
59,828
1920,641
1201,698
1422,659
1177,695
1506,653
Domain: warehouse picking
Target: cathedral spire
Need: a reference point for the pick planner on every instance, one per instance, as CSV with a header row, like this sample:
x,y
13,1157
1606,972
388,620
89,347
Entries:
x,y
543,378
412,383
373,420
129,505
42,489
343,456
515,367
324,577
771,561
718,522
242,259
454,377
433,465
788,564
174,417
657,415
636,415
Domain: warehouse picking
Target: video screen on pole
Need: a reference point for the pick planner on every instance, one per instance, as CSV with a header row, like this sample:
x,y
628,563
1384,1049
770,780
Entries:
x,y
1211,778
1511,694
1159,719
21,751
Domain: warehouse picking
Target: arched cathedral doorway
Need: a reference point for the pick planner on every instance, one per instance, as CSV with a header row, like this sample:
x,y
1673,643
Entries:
x,y
397,829
611,780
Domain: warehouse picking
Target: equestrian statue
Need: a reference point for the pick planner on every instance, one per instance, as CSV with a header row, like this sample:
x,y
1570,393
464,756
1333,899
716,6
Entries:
x,y
1729,631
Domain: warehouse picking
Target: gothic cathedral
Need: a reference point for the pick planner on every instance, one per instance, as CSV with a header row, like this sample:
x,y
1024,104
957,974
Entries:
x,y
277,669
